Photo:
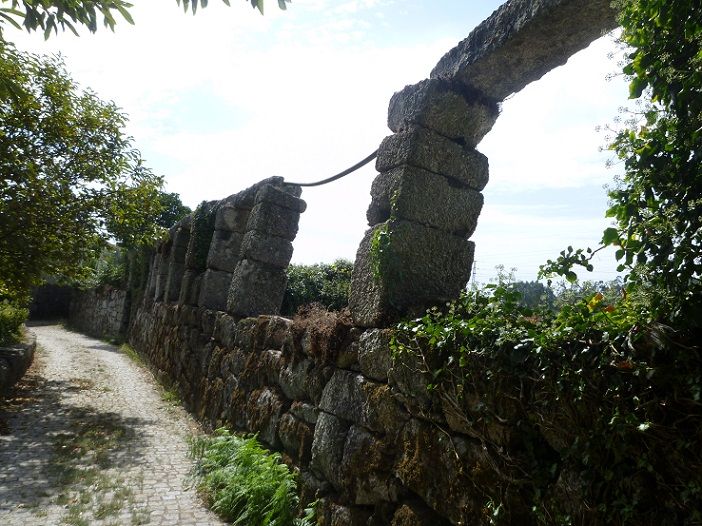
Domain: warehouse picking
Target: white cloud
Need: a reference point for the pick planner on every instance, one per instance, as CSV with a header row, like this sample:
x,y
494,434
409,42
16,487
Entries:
x,y
304,94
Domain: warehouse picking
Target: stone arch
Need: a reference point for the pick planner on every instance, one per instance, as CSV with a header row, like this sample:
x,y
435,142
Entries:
x,y
426,199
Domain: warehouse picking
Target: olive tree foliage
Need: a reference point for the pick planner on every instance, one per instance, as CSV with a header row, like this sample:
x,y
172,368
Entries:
x,y
656,204
51,15
70,180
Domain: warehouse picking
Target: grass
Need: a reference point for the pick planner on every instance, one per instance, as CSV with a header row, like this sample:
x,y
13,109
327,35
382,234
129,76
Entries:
x,y
81,467
170,395
132,354
169,392
244,483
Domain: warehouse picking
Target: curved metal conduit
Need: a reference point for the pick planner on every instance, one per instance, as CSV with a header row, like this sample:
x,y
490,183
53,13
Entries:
x,y
340,174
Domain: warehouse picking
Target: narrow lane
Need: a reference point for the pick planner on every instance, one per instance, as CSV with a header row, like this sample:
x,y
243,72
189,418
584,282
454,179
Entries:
x,y
89,439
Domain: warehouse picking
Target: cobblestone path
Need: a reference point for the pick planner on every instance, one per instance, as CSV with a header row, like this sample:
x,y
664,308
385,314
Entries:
x,y
89,439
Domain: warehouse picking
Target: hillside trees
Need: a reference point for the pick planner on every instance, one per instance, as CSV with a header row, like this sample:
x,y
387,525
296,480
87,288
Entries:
x,y
70,178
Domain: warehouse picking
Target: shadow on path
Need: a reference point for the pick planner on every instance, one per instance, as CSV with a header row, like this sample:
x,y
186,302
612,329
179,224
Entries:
x,y
47,443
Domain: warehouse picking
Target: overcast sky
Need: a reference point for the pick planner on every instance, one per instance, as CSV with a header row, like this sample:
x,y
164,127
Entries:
x,y
223,99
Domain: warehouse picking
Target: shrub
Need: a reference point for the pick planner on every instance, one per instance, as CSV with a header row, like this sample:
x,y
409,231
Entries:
x,y
11,320
246,484
596,393
323,283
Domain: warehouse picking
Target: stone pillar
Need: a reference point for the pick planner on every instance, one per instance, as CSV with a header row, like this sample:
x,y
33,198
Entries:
x,y
230,226
180,233
163,252
150,290
425,203
259,280
201,231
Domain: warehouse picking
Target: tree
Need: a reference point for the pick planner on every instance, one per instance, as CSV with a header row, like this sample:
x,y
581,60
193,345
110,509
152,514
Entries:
x,y
51,15
657,203
325,284
173,209
70,179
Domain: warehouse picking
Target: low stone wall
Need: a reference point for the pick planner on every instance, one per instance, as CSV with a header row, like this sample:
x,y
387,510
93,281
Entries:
x,y
360,429
14,362
103,313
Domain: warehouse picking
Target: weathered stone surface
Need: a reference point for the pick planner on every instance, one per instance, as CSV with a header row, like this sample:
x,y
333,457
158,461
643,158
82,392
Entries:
x,y
347,358
264,410
435,466
245,336
464,415
393,274
201,233
306,412
368,298
102,313
164,252
225,250
374,354
232,217
296,437
214,290
522,40
15,360
273,220
426,198
352,397
190,288
337,515
272,250
224,330
317,381
328,448
176,261
285,196
408,376
423,148
294,377
437,105
365,468
278,332
256,289
416,514
208,320
271,363
174,281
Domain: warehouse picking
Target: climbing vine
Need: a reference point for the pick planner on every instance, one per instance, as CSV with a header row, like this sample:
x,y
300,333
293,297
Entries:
x,y
598,400
656,205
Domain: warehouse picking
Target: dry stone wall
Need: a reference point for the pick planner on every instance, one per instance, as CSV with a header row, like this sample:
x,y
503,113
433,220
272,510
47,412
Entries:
x,y
367,436
15,359
103,313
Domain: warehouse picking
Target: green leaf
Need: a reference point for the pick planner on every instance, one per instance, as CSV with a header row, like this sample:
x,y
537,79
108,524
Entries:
x,y
637,87
125,13
610,237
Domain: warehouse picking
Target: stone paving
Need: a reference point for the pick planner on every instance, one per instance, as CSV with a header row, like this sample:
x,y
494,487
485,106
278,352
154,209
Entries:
x,y
89,438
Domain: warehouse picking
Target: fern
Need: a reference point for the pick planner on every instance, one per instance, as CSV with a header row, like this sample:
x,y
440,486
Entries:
x,y
246,484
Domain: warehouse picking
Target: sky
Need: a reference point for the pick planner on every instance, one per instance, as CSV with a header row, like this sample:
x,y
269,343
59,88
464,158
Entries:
x,y
225,98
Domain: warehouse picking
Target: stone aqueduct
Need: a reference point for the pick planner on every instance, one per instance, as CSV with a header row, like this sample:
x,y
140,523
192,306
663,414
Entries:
x,y
368,439
425,201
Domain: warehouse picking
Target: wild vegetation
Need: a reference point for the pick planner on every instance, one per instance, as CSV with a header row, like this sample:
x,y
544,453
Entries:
x,y
246,484
326,284
604,391
11,320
